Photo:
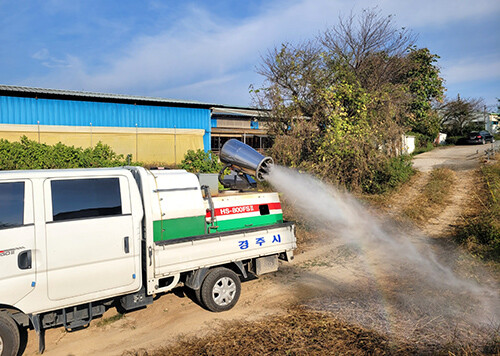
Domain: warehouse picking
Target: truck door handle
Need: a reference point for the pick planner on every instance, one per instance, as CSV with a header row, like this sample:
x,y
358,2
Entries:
x,y
24,259
126,245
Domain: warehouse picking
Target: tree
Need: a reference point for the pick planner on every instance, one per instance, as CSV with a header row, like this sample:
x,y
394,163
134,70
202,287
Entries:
x,y
457,115
372,47
425,87
338,104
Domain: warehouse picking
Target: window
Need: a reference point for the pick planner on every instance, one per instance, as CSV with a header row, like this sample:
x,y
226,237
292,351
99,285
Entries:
x,y
11,205
264,209
85,198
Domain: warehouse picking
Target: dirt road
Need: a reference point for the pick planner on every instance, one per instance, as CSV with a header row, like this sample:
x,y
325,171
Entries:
x,y
463,161
457,158
349,282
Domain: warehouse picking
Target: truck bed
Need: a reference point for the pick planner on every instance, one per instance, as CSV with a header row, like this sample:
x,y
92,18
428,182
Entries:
x,y
185,254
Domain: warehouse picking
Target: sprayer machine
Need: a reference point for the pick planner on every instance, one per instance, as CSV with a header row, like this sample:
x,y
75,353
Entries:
x,y
244,161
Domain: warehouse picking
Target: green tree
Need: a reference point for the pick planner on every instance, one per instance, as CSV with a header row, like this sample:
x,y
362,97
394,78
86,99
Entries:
x,y
458,115
338,104
425,86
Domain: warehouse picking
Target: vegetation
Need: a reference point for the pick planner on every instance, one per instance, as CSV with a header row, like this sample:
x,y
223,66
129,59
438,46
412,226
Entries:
x,y
110,320
339,104
300,332
393,173
433,197
458,115
480,234
29,154
422,143
200,161
305,332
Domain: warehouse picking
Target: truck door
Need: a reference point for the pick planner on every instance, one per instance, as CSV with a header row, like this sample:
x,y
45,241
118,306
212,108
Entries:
x,y
90,237
17,241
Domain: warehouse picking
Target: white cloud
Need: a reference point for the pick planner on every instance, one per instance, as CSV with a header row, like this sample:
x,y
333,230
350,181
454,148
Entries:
x,y
42,54
49,61
202,54
199,48
437,12
472,69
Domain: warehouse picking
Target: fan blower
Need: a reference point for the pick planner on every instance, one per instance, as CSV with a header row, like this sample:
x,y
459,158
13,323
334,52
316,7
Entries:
x,y
245,162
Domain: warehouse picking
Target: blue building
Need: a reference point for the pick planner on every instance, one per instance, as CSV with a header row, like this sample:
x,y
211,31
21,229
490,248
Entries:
x,y
152,130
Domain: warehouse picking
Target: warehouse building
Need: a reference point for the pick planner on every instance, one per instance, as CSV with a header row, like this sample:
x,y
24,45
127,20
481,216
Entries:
x,y
247,125
150,129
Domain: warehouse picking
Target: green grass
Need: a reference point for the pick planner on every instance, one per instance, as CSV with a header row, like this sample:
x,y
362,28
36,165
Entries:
x,y
428,147
110,320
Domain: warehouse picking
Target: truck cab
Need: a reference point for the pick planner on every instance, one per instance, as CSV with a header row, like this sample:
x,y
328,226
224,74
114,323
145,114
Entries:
x,y
68,237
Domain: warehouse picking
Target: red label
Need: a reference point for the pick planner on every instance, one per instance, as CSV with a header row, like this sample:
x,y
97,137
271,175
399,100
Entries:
x,y
241,209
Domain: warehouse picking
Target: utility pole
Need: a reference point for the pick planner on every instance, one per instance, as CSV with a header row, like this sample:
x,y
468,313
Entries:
x,y
486,122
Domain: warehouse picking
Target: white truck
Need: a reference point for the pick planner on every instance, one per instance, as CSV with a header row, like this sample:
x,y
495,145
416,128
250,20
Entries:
x,y
76,242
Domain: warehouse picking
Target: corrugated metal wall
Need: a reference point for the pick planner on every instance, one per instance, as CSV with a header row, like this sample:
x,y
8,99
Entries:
x,y
30,111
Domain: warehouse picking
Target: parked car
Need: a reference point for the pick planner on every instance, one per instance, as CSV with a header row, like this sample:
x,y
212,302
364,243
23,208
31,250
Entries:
x,y
480,137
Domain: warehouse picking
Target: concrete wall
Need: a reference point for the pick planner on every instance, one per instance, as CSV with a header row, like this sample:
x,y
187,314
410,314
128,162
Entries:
x,y
408,144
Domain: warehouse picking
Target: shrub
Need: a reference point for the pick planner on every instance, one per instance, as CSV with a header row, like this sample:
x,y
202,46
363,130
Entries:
x,y
423,143
29,154
200,161
455,140
391,174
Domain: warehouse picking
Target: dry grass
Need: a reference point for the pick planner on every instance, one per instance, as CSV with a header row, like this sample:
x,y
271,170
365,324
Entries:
x,y
433,196
299,332
304,332
479,231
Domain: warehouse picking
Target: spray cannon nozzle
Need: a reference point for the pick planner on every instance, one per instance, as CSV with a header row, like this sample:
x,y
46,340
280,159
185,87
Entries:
x,y
244,159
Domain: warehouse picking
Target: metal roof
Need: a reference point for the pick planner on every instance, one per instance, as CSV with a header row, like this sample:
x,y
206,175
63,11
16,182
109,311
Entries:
x,y
238,111
11,90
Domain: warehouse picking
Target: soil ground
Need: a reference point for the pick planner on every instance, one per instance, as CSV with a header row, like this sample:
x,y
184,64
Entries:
x,y
326,275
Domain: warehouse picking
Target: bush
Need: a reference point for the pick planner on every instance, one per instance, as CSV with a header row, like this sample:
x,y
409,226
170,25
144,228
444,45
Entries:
x,y
427,148
29,154
390,175
455,140
200,161
423,143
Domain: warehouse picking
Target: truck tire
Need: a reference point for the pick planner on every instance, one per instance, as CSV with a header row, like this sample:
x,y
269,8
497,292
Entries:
x,y
197,296
220,290
9,336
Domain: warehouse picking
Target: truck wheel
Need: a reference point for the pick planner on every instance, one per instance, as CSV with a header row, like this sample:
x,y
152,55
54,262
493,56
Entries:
x,y
197,296
220,290
9,336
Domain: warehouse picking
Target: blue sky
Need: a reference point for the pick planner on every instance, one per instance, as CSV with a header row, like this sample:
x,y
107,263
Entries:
x,y
209,50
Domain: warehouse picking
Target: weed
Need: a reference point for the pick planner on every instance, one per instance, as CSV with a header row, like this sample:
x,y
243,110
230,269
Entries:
x,y
433,196
480,233
110,320
302,331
